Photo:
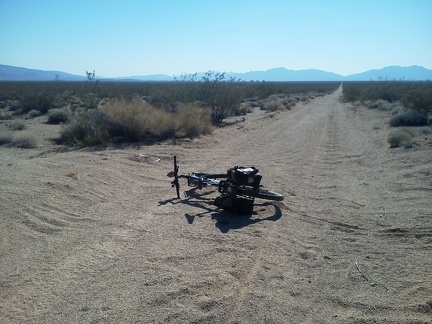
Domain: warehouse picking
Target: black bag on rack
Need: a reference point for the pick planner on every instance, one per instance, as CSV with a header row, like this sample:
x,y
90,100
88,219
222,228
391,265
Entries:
x,y
247,176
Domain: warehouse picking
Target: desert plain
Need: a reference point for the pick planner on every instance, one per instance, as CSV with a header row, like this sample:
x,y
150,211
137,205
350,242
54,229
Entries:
x,y
96,235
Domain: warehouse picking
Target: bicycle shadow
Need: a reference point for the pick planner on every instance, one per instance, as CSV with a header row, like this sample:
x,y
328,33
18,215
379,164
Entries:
x,y
188,195
224,220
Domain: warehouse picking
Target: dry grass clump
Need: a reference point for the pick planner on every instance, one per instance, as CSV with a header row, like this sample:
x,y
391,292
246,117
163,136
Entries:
x,y
24,139
87,128
380,104
135,121
401,137
273,105
192,121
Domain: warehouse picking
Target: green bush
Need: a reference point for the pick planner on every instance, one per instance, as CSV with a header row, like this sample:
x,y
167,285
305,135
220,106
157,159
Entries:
x,y
400,137
58,116
409,118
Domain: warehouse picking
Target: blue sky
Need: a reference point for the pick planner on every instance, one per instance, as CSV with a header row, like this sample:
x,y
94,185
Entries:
x,y
140,37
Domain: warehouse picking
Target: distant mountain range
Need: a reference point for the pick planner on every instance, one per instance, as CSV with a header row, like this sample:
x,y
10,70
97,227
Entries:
x,y
411,73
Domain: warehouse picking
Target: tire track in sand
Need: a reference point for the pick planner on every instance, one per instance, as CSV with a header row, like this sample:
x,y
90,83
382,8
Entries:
x,y
325,135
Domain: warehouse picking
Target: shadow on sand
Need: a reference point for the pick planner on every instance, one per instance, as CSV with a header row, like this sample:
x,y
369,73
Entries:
x,y
224,220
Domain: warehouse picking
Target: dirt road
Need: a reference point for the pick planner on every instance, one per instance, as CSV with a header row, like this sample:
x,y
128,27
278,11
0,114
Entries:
x,y
96,236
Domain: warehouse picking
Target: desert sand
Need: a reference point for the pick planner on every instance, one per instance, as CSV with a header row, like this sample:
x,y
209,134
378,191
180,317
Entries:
x,y
96,235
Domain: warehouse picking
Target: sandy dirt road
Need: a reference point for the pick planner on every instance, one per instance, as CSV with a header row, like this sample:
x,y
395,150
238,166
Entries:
x,y
96,236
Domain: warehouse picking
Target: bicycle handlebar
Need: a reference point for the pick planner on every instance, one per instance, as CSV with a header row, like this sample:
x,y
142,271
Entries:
x,y
197,179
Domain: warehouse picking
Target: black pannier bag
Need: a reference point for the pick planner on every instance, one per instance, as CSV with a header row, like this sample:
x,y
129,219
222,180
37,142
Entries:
x,y
237,204
247,176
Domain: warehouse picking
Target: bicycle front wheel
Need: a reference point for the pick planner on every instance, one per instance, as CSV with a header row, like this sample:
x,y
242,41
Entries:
x,y
262,193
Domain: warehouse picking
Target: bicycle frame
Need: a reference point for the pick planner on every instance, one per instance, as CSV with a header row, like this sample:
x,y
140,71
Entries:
x,y
226,187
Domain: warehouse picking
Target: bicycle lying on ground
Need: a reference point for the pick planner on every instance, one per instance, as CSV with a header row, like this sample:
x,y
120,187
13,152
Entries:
x,y
238,187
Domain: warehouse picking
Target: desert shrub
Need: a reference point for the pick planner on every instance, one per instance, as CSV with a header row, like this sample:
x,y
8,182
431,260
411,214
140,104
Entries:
x,y
87,128
400,137
397,110
24,139
380,104
138,121
91,101
17,125
245,108
220,95
5,137
409,118
135,121
34,113
58,116
192,120
42,102
414,95
5,115
426,130
273,105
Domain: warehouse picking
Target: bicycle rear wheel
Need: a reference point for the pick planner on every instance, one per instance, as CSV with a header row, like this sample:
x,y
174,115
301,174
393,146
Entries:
x,y
262,193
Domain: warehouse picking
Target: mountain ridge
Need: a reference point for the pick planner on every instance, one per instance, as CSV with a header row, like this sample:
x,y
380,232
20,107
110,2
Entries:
x,y
390,73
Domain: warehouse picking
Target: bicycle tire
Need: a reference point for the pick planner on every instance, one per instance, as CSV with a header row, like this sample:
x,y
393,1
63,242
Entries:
x,y
262,193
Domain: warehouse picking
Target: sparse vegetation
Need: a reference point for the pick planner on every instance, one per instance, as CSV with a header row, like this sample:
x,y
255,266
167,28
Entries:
x,y
5,137
413,95
17,125
58,116
273,105
33,101
166,109
401,137
24,139
135,121
409,118
34,113
410,104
